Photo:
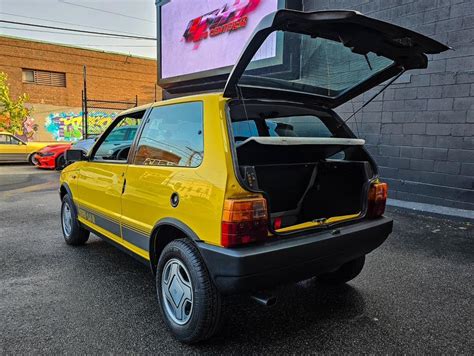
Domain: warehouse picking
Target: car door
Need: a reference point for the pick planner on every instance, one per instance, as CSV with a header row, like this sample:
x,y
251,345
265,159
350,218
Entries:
x,y
12,149
101,180
324,57
165,165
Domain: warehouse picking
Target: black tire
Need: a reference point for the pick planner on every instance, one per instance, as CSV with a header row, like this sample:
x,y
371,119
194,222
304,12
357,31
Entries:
x,y
343,274
60,162
31,159
204,317
74,234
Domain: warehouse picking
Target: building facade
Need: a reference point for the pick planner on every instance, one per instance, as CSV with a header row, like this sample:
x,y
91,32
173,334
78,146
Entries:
x,y
421,129
52,76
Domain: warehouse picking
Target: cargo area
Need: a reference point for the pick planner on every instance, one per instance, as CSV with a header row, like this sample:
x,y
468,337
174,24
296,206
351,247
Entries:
x,y
308,174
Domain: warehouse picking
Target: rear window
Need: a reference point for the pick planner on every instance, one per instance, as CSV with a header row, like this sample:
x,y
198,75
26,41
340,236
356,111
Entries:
x,y
290,126
326,68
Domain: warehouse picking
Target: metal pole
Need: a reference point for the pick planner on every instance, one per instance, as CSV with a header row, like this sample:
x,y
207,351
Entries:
x,y
83,117
155,92
86,112
136,100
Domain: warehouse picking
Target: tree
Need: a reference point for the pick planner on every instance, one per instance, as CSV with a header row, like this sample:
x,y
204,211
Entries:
x,y
13,113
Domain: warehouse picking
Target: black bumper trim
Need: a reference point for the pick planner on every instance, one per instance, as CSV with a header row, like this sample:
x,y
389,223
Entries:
x,y
292,259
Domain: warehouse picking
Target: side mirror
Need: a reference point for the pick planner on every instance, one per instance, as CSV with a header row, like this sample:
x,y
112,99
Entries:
x,y
75,155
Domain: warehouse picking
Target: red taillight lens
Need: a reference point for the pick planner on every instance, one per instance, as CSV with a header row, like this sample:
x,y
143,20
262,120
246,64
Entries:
x,y
277,223
244,221
377,200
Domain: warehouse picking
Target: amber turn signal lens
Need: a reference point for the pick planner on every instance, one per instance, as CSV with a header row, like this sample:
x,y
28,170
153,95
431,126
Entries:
x,y
244,221
377,199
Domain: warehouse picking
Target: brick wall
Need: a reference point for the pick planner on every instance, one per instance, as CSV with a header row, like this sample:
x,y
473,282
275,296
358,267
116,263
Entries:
x,y
110,76
421,130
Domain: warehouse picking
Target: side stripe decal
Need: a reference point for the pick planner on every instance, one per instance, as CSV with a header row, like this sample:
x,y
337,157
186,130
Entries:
x,y
135,238
130,234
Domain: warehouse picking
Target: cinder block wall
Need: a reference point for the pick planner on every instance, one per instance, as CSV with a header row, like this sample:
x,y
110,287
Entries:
x,y
421,130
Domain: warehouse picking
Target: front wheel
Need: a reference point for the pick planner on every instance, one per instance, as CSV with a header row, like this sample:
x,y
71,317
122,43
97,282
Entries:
x,y
189,301
344,273
32,160
74,234
60,162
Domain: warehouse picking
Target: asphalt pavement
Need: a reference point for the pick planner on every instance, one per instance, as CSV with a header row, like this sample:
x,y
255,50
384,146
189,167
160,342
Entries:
x,y
415,294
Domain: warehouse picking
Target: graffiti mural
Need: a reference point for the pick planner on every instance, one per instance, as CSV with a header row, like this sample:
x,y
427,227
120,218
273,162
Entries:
x,y
26,132
29,129
67,126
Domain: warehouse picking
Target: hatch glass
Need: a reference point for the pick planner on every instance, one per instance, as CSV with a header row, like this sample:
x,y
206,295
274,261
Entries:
x,y
326,68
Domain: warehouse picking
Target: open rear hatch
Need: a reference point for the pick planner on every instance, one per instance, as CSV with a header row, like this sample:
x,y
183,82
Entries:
x,y
308,164
324,57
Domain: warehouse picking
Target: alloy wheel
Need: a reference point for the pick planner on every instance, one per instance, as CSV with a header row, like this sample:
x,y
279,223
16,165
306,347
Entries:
x,y
177,291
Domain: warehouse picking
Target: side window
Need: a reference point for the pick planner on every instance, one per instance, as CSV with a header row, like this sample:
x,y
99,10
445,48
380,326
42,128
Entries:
x,y
132,133
116,145
4,139
8,140
172,136
14,140
118,135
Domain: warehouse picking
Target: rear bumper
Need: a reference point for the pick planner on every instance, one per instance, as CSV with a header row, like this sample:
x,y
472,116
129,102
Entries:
x,y
293,259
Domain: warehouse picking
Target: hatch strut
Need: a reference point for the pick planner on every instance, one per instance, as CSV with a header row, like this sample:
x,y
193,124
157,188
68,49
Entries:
x,y
376,94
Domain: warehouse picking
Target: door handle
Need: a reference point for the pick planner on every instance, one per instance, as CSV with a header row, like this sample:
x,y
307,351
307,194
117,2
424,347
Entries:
x,y
124,184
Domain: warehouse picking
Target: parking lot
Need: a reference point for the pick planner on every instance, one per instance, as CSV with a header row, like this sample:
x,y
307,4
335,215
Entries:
x,y
415,294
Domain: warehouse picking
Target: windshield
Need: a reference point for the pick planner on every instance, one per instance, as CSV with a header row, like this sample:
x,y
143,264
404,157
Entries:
x,y
313,65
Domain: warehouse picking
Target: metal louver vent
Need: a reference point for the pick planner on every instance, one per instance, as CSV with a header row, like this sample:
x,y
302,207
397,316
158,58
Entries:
x,y
56,79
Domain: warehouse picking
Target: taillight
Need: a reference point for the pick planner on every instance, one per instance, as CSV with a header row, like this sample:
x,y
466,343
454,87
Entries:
x,y
377,199
244,221
277,223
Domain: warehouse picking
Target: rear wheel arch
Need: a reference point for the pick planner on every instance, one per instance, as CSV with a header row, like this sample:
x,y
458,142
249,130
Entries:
x,y
165,231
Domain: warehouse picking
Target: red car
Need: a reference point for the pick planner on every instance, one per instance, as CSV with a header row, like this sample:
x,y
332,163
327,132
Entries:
x,y
52,157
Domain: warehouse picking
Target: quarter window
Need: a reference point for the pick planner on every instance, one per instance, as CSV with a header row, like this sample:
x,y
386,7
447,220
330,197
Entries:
x,y
172,136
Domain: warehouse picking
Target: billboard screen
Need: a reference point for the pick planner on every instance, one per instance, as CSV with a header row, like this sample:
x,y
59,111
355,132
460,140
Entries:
x,y
204,36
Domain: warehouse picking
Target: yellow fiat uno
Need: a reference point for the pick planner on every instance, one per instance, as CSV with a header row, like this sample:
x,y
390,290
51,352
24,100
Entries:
x,y
255,186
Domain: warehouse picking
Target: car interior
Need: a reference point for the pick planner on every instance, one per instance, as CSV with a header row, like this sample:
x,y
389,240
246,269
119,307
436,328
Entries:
x,y
307,162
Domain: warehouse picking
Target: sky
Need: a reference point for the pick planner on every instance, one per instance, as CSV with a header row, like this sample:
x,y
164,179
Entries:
x,y
131,17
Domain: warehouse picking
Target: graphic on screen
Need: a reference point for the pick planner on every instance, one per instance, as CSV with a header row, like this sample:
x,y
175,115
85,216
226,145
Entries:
x,y
197,36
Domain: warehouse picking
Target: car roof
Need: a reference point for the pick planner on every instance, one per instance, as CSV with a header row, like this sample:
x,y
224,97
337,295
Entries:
x,y
170,101
187,98
136,109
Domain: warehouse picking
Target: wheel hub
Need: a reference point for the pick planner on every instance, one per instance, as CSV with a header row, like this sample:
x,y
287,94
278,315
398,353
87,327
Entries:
x,y
177,291
67,219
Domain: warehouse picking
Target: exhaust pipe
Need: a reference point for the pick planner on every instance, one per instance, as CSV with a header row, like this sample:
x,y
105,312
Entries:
x,y
264,299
